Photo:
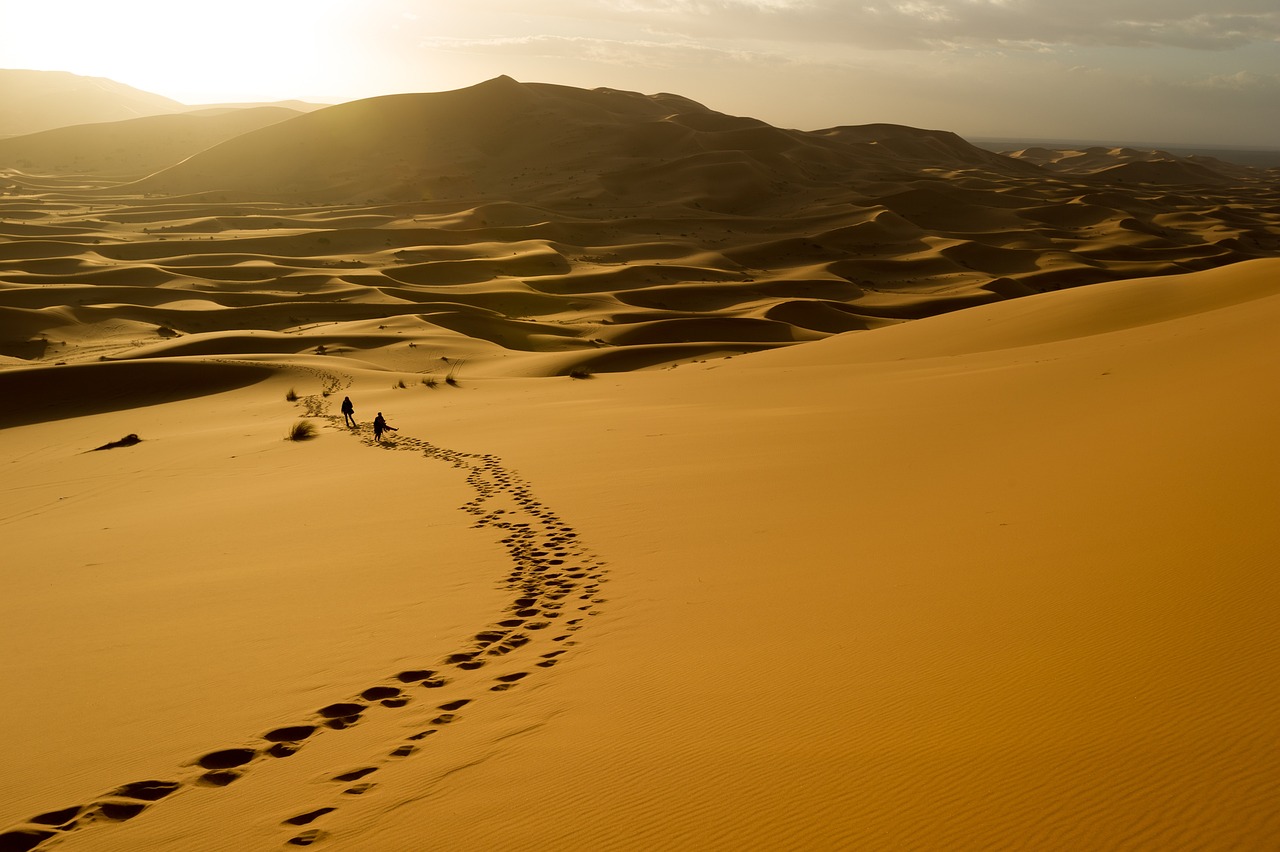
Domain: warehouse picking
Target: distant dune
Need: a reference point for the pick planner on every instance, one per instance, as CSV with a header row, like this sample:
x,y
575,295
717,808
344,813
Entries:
x,y
543,228
32,101
746,488
546,144
133,148
35,101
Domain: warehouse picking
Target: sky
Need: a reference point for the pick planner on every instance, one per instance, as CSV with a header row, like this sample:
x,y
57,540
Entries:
x,y
1189,72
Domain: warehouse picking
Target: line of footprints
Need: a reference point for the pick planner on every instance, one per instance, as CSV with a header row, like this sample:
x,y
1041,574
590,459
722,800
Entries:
x,y
554,583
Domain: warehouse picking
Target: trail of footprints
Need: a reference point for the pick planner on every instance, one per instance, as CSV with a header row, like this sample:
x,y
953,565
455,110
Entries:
x,y
554,584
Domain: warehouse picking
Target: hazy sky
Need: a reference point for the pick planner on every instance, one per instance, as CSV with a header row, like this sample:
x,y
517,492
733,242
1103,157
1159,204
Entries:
x,y
1156,71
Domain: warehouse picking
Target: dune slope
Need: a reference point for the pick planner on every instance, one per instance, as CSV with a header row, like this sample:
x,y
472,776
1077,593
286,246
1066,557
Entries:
x,y
995,578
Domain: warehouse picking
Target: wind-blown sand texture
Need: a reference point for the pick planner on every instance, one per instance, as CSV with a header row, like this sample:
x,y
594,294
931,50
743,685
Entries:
x,y
999,577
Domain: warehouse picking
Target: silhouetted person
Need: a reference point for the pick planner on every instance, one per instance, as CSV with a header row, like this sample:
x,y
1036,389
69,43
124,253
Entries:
x,y
348,412
380,426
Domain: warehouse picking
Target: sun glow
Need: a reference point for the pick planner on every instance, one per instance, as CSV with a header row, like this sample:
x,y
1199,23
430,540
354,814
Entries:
x,y
192,52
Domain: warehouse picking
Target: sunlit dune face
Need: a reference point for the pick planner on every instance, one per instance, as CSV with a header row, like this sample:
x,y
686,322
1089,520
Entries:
x,y
192,52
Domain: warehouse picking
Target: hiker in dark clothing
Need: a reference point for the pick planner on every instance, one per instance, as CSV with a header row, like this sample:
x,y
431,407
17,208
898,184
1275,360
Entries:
x,y
380,426
348,412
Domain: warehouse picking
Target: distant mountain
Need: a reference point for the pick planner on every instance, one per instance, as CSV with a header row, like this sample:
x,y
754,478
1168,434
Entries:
x,y
133,148
32,101
543,143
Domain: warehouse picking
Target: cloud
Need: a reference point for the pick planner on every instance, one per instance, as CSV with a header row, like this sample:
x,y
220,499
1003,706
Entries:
x,y
930,24
634,52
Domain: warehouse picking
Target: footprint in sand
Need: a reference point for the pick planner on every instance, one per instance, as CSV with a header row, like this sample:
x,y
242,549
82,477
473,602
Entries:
x,y
309,817
548,565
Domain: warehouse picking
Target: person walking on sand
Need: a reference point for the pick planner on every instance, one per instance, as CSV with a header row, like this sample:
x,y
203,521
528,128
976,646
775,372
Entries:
x,y
380,426
348,412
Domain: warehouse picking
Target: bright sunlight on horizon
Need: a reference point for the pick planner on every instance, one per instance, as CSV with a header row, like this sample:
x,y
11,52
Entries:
x,y
1014,68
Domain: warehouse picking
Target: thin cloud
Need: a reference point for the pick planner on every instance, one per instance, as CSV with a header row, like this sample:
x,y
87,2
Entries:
x,y
652,54
930,24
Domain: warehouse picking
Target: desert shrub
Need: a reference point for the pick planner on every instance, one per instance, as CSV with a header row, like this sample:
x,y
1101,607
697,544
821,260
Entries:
x,y
580,373
303,430
292,395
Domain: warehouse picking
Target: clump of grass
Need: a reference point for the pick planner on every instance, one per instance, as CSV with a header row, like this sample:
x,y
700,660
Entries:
x,y
430,381
580,373
303,430
292,395
400,384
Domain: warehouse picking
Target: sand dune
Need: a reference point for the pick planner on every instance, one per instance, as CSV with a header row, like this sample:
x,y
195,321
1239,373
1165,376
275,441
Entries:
x,y
532,190
130,149
32,101
752,488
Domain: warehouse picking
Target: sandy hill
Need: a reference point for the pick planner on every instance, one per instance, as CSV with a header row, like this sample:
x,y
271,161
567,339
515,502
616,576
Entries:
x,y
1142,165
132,148
1003,578
32,101
750,489
556,144
540,229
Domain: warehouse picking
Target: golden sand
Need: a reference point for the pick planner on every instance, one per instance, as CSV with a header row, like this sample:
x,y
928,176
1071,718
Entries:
x,y
894,576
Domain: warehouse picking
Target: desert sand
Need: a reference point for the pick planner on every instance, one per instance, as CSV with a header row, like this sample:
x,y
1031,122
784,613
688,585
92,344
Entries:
x,y
751,488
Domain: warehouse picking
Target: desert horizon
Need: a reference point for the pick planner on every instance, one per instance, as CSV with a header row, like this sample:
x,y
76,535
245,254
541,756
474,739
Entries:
x,y
743,486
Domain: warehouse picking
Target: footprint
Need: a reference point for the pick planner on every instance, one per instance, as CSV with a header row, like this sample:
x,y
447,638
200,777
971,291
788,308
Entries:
x,y
219,777
415,675
120,811
511,678
291,734
378,693
24,839
55,818
227,758
306,838
454,659
309,817
148,791
404,751
356,774
342,715
454,705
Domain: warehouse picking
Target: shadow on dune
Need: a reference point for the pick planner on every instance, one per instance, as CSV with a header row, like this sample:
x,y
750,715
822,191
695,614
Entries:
x,y
41,394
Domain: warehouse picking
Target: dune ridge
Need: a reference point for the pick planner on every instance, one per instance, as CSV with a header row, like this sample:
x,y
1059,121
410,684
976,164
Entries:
x,y
610,219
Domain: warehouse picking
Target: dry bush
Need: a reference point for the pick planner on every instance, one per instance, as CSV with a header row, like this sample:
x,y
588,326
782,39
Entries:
x,y
303,430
